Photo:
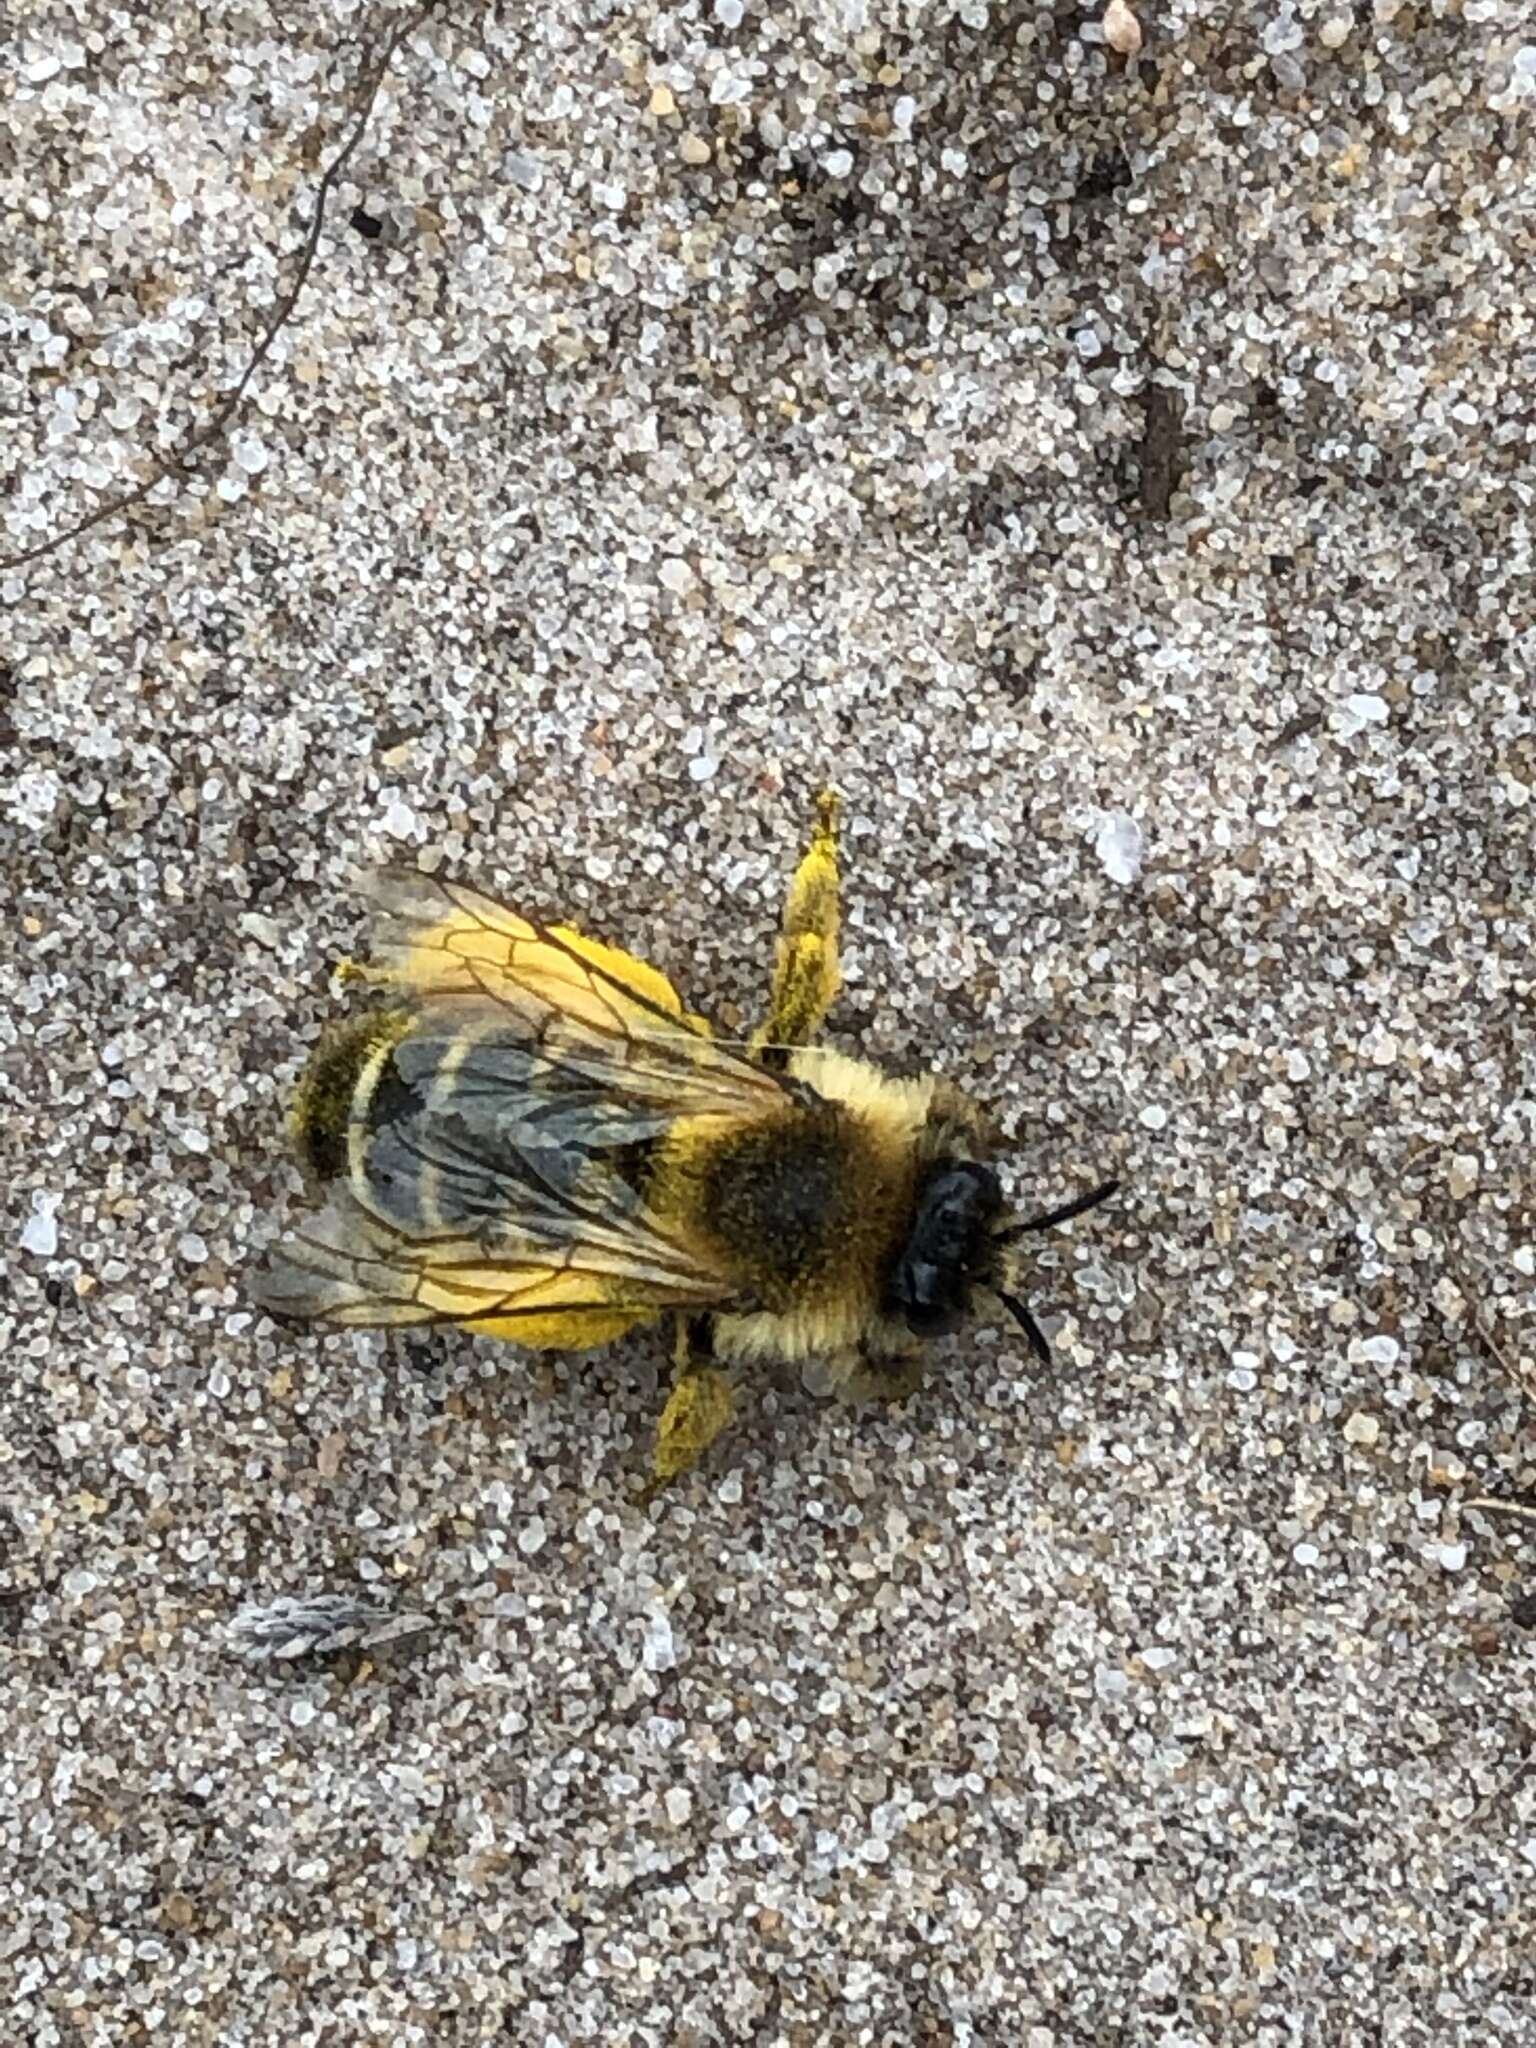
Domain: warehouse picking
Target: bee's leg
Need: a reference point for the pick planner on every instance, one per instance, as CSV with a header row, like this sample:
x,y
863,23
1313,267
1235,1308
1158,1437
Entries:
x,y
885,1379
349,972
699,1407
805,975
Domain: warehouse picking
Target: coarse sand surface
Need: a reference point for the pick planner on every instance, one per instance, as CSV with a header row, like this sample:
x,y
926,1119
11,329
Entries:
x,y
1113,468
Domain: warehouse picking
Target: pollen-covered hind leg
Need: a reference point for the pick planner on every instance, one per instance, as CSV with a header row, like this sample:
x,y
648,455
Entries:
x,y
700,1406
805,975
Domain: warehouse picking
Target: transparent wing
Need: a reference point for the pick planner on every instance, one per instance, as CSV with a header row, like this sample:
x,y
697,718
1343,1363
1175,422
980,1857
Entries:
x,y
348,1265
503,1171
439,939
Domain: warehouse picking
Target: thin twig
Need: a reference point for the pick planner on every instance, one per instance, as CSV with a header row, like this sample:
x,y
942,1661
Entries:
x,y
1515,1374
1488,1506
177,463
1502,1797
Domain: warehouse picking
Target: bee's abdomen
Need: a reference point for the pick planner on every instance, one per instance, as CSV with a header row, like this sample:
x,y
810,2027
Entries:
x,y
326,1103
465,1127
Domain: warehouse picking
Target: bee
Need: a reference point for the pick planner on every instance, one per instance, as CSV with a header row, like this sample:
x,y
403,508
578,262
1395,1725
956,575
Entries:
x,y
533,1138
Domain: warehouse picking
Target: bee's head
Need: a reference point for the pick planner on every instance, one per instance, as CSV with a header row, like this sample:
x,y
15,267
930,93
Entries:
x,y
956,1245
949,1248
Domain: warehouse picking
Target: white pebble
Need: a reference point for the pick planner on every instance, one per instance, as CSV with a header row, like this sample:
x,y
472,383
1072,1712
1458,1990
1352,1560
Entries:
x,y
679,1804
1453,1556
526,172
659,1651
703,767
1306,1553
859,1980
257,925
40,1233
1380,1350
531,1538
1119,846
1362,1428
1154,1117
1358,711
34,797
1122,31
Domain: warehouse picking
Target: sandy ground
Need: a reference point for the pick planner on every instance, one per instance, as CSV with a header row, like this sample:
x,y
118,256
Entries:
x,y
1118,478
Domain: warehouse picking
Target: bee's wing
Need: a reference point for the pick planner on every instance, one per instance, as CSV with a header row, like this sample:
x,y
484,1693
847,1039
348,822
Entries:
x,y
437,937
348,1265
496,1189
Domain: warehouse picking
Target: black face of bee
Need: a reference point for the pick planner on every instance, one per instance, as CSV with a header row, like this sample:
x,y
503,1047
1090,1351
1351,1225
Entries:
x,y
930,1285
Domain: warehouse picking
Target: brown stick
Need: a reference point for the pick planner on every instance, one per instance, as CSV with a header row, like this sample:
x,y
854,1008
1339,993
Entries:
x,y
1515,1374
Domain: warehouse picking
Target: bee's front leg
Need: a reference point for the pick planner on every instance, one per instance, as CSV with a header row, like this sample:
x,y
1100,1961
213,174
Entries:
x,y
891,1378
700,1405
805,976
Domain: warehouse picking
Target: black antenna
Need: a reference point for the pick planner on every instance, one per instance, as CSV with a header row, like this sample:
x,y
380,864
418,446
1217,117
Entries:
x,y
1018,1309
1064,1214
1028,1325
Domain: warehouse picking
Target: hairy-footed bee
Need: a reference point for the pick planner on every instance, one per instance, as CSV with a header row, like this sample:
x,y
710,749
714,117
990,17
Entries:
x,y
534,1139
